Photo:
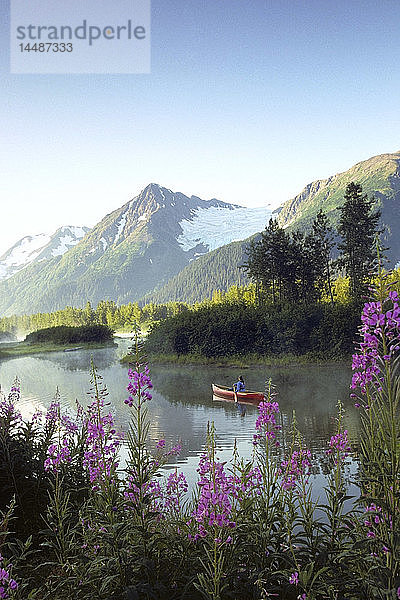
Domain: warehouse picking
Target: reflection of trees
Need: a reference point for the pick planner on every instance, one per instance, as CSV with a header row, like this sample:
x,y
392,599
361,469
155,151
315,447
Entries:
x,y
79,360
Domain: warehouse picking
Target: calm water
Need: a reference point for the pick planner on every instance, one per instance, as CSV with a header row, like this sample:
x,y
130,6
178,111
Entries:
x,y
182,399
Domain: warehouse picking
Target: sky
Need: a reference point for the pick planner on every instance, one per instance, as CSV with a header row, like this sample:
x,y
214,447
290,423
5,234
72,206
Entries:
x,y
247,101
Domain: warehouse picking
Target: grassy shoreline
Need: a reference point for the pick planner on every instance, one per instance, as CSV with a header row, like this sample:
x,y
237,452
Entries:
x,y
14,349
243,362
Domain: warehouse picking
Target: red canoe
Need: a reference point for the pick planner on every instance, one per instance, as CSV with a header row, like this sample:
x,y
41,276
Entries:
x,y
224,393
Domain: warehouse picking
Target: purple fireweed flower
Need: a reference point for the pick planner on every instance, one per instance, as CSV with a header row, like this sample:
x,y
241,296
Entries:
x,y
295,469
379,321
294,578
53,412
176,489
215,505
15,391
6,582
9,415
162,498
398,592
37,418
339,446
102,444
150,490
375,518
139,385
69,424
160,444
252,483
175,450
266,424
57,455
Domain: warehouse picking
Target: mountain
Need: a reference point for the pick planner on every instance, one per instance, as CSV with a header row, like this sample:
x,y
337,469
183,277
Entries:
x,y
36,248
132,251
379,176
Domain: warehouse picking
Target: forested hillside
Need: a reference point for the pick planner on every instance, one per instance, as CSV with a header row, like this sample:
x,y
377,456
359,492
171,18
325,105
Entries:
x,y
217,270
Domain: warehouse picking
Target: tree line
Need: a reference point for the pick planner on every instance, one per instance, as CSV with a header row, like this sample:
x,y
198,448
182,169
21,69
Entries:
x,y
118,318
299,267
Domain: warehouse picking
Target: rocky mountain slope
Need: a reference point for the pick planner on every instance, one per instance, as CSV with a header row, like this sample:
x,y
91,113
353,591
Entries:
x,y
379,177
132,251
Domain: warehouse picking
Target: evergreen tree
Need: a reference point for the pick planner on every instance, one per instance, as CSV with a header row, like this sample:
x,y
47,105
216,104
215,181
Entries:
x,y
301,268
322,242
358,228
283,264
267,260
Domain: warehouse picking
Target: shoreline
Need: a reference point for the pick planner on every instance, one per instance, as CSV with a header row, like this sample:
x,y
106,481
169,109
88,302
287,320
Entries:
x,y
15,349
243,362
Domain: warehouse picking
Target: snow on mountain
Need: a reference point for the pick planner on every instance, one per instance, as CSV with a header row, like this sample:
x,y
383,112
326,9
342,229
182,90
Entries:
x,y
22,253
130,252
216,226
35,248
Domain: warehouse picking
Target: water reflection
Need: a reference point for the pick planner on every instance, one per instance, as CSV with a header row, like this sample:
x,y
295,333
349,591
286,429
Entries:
x,y
182,402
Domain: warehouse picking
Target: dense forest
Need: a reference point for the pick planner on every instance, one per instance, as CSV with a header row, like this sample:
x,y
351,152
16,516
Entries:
x,y
219,269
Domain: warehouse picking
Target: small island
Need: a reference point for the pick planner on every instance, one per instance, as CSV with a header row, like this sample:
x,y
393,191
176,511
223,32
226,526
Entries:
x,y
58,338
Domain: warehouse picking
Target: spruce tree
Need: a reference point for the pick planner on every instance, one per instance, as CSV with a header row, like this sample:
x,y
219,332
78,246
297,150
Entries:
x,y
322,242
267,262
358,228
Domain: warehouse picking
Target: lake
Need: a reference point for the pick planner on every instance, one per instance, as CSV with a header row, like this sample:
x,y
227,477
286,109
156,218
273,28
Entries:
x,y
182,403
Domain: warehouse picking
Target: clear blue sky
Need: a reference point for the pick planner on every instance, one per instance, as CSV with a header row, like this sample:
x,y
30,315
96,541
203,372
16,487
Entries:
x,y
247,101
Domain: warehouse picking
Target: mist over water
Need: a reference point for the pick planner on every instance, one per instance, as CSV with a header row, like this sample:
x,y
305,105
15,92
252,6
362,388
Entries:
x,y
182,403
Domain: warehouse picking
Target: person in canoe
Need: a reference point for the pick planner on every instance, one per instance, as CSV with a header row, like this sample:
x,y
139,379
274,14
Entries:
x,y
239,386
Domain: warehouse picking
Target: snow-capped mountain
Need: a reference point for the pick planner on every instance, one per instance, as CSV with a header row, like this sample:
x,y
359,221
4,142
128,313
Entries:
x,y
132,251
35,248
191,224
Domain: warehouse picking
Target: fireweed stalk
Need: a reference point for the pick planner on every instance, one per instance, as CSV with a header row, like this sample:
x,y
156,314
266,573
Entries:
x,y
145,499
213,518
338,450
376,385
101,459
58,454
90,445
265,515
296,505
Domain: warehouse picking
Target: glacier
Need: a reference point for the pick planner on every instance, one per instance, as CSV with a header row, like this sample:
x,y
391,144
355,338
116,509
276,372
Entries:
x,y
216,226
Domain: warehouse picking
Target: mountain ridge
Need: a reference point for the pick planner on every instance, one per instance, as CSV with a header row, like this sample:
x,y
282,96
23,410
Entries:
x,y
131,251
162,245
